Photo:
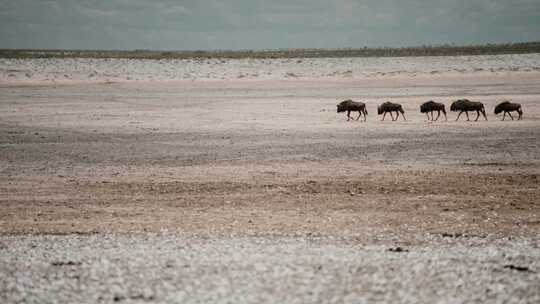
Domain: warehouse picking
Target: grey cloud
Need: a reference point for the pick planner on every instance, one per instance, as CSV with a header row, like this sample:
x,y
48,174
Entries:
x,y
242,24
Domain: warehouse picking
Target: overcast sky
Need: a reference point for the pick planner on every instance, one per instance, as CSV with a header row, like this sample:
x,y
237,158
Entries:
x,y
262,24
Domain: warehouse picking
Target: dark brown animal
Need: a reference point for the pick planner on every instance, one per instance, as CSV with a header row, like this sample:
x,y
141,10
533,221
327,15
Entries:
x,y
430,107
389,107
352,106
465,105
508,107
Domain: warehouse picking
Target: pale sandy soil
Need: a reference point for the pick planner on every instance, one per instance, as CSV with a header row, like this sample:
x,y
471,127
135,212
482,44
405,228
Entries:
x,y
236,161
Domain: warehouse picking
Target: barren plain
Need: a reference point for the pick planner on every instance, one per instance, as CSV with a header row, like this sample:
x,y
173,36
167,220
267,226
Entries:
x,y
237,181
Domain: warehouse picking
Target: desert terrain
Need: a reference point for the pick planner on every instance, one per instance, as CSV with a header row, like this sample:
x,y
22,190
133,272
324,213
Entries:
x,y
235,181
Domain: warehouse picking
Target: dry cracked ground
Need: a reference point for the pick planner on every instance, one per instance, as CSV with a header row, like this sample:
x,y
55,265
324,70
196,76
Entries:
x,y
258,191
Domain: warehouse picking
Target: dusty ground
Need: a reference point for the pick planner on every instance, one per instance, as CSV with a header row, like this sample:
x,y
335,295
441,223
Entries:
x,y
244,162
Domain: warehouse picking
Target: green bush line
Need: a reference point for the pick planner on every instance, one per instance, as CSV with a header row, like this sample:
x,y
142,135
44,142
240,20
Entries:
x,y
443,50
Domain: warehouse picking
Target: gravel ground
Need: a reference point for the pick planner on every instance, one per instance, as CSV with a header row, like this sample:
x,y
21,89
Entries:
x,y
175,268
246,186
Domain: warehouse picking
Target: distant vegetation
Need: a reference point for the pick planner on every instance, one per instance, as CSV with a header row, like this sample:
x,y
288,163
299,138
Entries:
x,y
443,50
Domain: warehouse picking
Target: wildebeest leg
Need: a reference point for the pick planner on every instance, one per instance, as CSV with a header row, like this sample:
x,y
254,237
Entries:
x,y
392,116
348,115
403,115
477,115
504,114
397,116
467,113
520,114
384,114
510,115
359,114
427,116
365,115
459,115
438,115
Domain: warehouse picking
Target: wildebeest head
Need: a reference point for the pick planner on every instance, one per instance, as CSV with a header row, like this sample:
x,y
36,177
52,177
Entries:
x,y
343,106
500,107
427,106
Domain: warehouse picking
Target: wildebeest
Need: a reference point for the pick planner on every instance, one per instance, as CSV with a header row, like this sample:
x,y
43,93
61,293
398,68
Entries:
x,y
352,106
465,105
430,107
389,107
508,107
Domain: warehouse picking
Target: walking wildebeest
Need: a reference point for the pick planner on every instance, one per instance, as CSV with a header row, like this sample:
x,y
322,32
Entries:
x,y
508,107
430,107
465,105
390,107
350,106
